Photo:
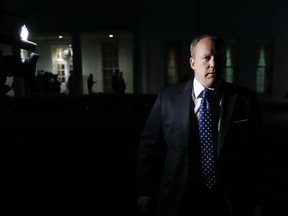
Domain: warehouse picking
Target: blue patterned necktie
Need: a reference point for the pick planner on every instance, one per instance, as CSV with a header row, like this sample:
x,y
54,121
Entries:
x,y
207,142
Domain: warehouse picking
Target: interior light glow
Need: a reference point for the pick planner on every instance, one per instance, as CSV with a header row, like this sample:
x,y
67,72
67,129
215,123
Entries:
x,y
24,33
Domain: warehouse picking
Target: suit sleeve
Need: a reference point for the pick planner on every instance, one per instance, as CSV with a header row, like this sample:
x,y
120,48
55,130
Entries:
x,y
150,152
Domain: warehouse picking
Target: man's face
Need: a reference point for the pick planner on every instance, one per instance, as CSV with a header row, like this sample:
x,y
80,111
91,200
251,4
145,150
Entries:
x,y
208,62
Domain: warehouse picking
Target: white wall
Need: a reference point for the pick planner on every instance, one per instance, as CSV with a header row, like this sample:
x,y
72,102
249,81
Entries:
x,y
91,56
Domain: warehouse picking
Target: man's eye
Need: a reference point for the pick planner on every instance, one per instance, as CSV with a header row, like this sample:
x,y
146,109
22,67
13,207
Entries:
x,y
206,58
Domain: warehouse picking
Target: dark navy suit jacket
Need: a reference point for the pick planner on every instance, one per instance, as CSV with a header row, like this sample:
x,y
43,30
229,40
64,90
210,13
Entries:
x,y
162,166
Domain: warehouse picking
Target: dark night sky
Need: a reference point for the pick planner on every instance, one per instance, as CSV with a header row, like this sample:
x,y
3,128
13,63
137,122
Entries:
x,y
64,14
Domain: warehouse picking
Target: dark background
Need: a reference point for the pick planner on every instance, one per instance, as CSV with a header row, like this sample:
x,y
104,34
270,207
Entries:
x,y
77,155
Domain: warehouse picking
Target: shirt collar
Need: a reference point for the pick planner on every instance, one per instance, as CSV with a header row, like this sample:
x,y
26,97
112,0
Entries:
x,y
197,87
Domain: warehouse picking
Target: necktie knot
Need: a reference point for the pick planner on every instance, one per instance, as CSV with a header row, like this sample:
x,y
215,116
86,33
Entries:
x,y
208,93
205,91
205,98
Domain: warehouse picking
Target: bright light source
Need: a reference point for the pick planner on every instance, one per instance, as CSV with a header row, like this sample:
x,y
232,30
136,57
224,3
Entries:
x,y
24,33
111,35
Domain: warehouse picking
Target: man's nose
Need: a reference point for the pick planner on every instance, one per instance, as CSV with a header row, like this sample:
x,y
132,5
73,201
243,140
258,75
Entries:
x,y
212,62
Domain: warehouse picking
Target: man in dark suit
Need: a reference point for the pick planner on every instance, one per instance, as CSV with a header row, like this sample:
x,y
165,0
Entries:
x,y
169,173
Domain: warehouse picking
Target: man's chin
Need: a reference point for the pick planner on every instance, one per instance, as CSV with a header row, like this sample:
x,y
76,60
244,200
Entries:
x,y
212,81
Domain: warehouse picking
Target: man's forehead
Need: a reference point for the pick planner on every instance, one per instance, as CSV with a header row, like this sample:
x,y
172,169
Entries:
x,y
207,46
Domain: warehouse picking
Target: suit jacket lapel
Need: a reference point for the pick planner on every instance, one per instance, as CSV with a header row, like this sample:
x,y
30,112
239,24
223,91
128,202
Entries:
x,y
184,98
227,108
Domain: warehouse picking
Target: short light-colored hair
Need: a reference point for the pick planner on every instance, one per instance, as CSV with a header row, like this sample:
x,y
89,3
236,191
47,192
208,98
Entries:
x,y
219,43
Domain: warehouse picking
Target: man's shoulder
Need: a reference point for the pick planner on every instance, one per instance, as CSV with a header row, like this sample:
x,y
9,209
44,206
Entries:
x,y
238,89
177,87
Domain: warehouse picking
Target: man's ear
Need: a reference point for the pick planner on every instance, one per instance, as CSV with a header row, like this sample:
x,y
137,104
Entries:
x,y
192,63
